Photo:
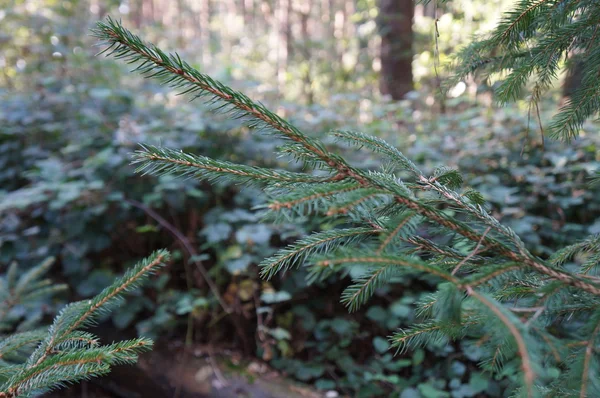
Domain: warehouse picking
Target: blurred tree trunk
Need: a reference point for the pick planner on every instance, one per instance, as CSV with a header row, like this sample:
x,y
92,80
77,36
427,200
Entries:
x,y
395,27
205,37
248,12
137,13
180,23
307,78
285,41
149,11
573,79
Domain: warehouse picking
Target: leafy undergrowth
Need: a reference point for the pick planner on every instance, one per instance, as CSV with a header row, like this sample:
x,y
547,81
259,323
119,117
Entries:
x,y
68,191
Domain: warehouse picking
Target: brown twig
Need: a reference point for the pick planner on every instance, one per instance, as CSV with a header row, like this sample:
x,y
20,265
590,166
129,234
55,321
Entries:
x,y
188,247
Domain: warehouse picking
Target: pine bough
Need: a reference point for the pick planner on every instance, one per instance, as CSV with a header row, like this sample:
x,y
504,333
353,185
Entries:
x,y
533,43
37,360
496,289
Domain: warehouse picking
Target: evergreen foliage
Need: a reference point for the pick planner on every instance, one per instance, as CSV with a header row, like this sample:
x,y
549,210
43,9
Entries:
x,y
533,43
490,286
37,360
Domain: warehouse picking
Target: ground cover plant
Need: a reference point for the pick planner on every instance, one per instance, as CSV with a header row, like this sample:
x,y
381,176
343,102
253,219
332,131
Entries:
x,y
482,267
67,189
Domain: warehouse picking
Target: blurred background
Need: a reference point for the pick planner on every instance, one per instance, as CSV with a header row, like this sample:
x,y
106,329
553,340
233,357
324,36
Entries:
x,y
69,121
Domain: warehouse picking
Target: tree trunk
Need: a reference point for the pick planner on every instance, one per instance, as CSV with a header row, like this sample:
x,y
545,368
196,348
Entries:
x,y
395,27
284,42
573,79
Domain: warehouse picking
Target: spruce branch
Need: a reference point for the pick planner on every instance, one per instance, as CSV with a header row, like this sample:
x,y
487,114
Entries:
x,y
175,72
65,354
595,179
381,211
592,262
160,161
512,326
313,244
510,31
27,288
408,263
16,342
534,38
417,336
65,368
404,221
590,245
430,332
365,198
308,198
357,294
84,313
171,70
378,145
427,246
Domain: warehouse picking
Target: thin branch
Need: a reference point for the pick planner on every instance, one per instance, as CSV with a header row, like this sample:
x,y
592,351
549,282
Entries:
x,y
520,17
589,350
474,252
188,247
525,359
391,236
97,305
414,264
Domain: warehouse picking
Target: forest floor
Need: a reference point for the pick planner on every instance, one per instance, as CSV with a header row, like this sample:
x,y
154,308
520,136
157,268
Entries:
x,y
198,371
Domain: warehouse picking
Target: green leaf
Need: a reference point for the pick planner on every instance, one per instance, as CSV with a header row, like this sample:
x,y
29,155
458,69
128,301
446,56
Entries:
x,y
381,345
401,310
342,326
275,297
280,334
325,384
377,314
429,391
418,357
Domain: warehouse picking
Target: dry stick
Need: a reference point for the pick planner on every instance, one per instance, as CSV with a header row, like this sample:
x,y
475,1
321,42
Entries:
x,y
474,252
184,358
553,349
215,366
526,309
436,61
188,247
539,118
